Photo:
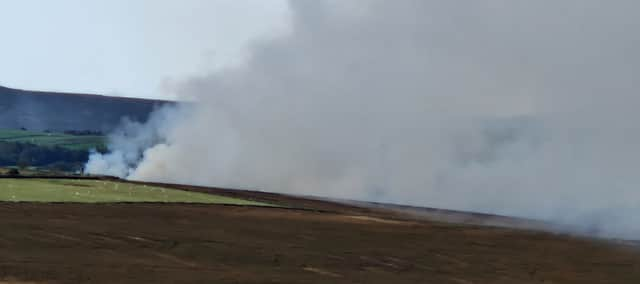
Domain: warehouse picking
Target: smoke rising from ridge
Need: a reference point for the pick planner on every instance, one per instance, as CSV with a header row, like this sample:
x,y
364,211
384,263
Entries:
x,y
523,108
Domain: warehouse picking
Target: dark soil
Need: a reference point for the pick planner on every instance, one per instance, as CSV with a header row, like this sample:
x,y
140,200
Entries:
x,y
178,243
150,243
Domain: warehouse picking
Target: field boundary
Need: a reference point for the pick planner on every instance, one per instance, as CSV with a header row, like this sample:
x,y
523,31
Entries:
x,y
317,205
107,178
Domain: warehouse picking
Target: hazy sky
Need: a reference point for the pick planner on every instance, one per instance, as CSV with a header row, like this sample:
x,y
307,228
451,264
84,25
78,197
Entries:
x,y
127,47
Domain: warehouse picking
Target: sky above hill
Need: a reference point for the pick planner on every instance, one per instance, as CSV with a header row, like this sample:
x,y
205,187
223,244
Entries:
x,y
127,47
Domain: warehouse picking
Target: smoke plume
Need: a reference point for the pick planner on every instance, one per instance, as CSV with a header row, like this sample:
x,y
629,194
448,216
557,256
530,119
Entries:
x,y
522,108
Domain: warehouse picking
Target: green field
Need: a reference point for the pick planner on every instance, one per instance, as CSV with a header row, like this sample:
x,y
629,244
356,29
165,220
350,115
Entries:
x,y
71,142
99,191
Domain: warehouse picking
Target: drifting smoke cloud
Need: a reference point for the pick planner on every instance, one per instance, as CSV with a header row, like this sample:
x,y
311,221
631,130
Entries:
x,y
523,108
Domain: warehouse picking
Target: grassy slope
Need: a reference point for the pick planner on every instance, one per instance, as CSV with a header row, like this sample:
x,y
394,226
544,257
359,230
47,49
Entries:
x,y
93,191
71,142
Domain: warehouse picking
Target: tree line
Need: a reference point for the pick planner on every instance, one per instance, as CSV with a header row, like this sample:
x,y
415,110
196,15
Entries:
x,y
27,154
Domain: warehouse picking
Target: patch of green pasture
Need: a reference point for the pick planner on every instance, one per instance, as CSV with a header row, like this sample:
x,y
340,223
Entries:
x,y
99,191
72,142
13,133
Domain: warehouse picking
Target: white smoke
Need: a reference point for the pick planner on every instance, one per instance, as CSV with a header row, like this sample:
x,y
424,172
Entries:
x,y
128,143
523,108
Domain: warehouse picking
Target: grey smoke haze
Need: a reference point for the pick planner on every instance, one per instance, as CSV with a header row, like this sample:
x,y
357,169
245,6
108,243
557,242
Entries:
x,y
523,108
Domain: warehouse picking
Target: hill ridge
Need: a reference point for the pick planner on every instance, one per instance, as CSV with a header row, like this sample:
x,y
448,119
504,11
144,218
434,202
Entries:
x,y
59,111
5,89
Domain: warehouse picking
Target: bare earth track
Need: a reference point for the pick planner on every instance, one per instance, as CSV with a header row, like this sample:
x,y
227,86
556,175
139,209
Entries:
x,y
315,242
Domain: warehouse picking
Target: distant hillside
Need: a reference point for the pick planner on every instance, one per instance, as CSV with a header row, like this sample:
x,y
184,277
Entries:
x,y
61,111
